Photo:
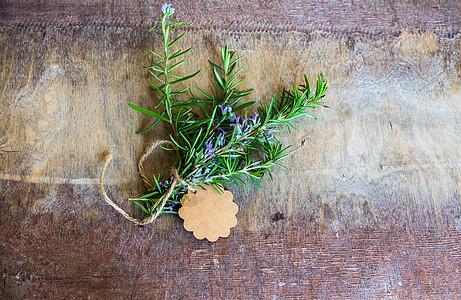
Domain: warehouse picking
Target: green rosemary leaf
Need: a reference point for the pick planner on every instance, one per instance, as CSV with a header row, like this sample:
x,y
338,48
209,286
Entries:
x,y
196,142
279,165
157,183
218,78
179,53
187,104
179,26
171,22
156,77
243,106
212,119
176,39
181,92
235,75
166,36
157,88
175,76
148,112
161,57
195,125
141,206
235,85
185,78
176,143
155,26
255,181
155,69
238,180
149,127
307,115
215,65
177,65
203,93
166,148
232,66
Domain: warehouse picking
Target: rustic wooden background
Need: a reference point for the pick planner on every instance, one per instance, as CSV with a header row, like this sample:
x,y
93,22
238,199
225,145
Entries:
x,y
369,209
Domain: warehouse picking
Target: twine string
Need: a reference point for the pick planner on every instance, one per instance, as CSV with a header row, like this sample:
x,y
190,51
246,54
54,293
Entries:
x,y
143,157
162,199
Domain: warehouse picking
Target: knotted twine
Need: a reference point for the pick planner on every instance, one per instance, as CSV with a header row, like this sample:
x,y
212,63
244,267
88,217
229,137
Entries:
x,y
162,199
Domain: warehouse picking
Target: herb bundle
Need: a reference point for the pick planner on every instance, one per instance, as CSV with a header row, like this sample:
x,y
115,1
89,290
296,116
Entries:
x,y
215,138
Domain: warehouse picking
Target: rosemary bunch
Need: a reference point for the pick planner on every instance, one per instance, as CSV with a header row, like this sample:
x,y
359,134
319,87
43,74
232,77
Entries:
x,y
217,140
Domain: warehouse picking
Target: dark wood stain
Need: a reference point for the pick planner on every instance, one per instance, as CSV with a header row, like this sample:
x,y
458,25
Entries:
x,y
277,217
367,17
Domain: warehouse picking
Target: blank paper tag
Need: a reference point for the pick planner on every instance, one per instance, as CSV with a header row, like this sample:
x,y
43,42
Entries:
x,y
208,214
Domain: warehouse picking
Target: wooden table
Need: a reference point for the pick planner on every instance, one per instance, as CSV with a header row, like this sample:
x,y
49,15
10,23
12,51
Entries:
x,y
369,209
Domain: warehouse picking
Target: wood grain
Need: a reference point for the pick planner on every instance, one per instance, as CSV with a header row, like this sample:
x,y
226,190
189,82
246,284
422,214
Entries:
x,y
367,17
370,209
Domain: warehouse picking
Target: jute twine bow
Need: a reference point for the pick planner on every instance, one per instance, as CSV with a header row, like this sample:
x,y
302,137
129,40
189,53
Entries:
x,y
163,199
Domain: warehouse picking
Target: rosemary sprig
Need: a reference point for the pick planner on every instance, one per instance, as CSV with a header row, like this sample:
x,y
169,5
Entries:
x,y
217,143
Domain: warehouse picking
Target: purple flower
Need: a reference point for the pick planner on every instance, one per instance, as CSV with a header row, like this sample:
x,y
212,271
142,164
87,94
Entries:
x,y
225,110
221,137
269,132
240,126
209,149
167,9
222,130
172,208
202,171
255,118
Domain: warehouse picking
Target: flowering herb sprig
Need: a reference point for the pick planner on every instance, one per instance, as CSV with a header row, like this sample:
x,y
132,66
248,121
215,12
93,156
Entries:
x,y
216,139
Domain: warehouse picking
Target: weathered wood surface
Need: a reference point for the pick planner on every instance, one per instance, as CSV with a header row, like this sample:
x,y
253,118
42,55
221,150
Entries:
x,y
370,209
366,17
